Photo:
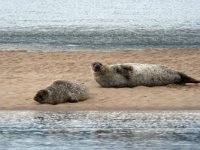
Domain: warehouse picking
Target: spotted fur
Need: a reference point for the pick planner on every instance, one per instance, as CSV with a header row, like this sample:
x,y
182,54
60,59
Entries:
x,y
62,91
135,74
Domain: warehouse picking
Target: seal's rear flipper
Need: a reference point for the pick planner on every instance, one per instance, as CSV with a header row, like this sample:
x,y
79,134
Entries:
x,y
186,79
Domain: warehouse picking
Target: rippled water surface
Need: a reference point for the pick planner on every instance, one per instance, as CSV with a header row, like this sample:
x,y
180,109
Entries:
x,y
98,24
36,130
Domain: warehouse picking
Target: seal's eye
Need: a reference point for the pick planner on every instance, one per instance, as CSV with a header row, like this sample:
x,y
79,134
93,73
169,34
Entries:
x,y
96,66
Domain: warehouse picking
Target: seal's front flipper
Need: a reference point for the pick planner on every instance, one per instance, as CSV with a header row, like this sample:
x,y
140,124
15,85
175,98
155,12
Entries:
x,y
125,70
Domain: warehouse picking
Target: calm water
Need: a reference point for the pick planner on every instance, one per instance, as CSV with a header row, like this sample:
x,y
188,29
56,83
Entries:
x,y
98,24
20,130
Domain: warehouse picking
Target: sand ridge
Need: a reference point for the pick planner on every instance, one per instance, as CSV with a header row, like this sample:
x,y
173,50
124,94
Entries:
x,y
24,73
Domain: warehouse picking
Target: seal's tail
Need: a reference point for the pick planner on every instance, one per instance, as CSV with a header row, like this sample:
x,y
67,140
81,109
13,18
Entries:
x,y
186,79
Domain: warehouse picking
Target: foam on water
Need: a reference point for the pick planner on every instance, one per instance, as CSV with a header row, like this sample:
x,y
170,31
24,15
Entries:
x,y
105,24
99,130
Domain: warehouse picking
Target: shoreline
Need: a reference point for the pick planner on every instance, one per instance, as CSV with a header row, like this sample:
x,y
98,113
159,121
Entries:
x,y
102,110
94,50
24,73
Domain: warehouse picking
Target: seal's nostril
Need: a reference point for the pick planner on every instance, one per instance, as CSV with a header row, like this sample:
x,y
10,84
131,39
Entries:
x,y
97,68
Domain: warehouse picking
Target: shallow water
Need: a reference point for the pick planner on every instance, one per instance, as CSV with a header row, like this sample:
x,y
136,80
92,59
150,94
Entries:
x,y
99,130
104,25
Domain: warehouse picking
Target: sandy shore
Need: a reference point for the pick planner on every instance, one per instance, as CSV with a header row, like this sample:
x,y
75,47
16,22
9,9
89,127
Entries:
x,y
22,74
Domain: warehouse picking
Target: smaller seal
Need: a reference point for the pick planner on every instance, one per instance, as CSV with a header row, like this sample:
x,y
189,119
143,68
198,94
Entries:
x,y
136,74
62,91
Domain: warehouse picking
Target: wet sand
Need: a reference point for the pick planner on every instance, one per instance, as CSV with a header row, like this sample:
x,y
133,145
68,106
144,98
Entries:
x,y
22,74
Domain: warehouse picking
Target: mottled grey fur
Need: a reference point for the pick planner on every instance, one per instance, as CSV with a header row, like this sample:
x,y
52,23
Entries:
x,y
135,74
62,91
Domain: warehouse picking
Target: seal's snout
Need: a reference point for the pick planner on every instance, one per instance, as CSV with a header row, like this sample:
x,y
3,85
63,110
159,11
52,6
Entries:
x,y
41,96
96,66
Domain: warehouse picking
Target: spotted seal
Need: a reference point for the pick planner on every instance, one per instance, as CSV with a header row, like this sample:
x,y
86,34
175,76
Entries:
x,y
136,74
61,91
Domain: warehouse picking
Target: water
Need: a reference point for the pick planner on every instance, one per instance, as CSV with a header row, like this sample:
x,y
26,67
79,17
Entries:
x,y
51,25
20,130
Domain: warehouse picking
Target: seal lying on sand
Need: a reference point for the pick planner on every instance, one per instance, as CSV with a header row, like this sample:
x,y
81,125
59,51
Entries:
x,y
135,74
62,91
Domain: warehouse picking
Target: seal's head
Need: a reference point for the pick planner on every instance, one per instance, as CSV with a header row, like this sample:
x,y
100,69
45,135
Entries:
x,y
97,67
41,96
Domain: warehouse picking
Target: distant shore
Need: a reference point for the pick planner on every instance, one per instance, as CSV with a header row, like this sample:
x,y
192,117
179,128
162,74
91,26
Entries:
x,y
22,74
